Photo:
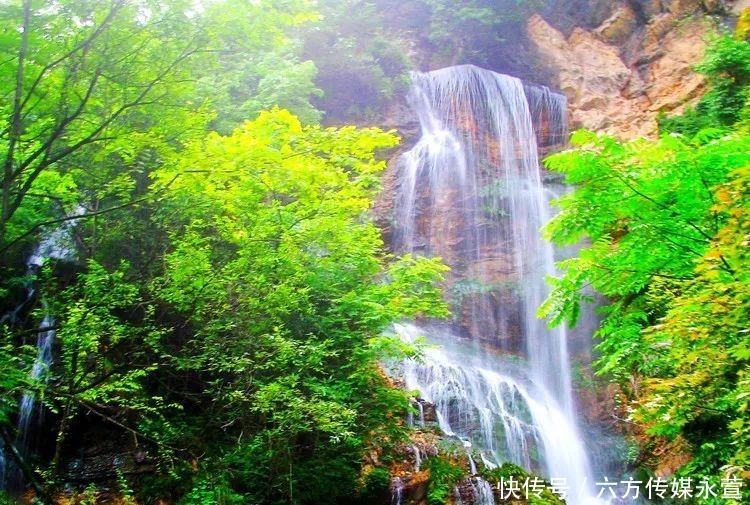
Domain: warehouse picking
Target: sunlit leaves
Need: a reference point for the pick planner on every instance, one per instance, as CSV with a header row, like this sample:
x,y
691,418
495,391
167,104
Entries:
x,y
646,207
706,331
667,244
277,266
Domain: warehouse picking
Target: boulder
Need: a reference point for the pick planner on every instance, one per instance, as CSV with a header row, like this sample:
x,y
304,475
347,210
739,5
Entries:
x,y
619,27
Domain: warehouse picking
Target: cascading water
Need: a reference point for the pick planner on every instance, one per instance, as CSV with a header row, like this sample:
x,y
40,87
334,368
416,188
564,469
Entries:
x,y
482,491
58,245
471,192
397,491
45,339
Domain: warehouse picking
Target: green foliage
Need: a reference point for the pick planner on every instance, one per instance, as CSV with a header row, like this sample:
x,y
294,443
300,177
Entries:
x,y
444,475
377,481
360,65
504,471
249,327
646,208
89,495
727,67
668,225
228,297
259,65
703,395
664,220
14,363
465,30
266,313
99,96
276,265
212,490
95,339
124,488
70,102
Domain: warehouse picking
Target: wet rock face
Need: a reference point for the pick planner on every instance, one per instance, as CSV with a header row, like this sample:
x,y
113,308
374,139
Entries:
x,y
484,284
636,64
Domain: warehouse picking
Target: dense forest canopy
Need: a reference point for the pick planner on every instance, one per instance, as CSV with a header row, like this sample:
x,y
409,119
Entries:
x,y
220,298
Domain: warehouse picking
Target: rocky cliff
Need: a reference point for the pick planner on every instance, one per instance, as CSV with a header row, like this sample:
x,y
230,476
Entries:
x,y
626,62
621,63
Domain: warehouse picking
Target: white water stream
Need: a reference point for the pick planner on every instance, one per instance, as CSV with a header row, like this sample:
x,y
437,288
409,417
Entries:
x,y
471,192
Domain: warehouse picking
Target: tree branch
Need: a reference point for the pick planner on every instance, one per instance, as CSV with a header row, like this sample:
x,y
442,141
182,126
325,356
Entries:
x,y
85,44
15,121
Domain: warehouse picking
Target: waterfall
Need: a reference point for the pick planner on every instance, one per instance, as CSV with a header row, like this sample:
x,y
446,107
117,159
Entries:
x,y
56,244
397,491
482,492
417,458
45,339
471,192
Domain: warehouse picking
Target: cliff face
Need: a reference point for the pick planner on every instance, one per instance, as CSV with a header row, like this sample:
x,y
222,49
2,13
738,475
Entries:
x,y
626,62
621,64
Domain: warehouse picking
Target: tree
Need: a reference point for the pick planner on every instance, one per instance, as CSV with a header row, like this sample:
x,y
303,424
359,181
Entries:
x,y
281,275
666,230
90,79
102,94
82,74
668,226
704,392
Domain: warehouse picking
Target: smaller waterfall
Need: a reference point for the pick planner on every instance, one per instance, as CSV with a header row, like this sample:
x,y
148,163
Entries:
x,y
397,491
472,463
58,245
476,491
417,458
45,339
55,245
482,492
